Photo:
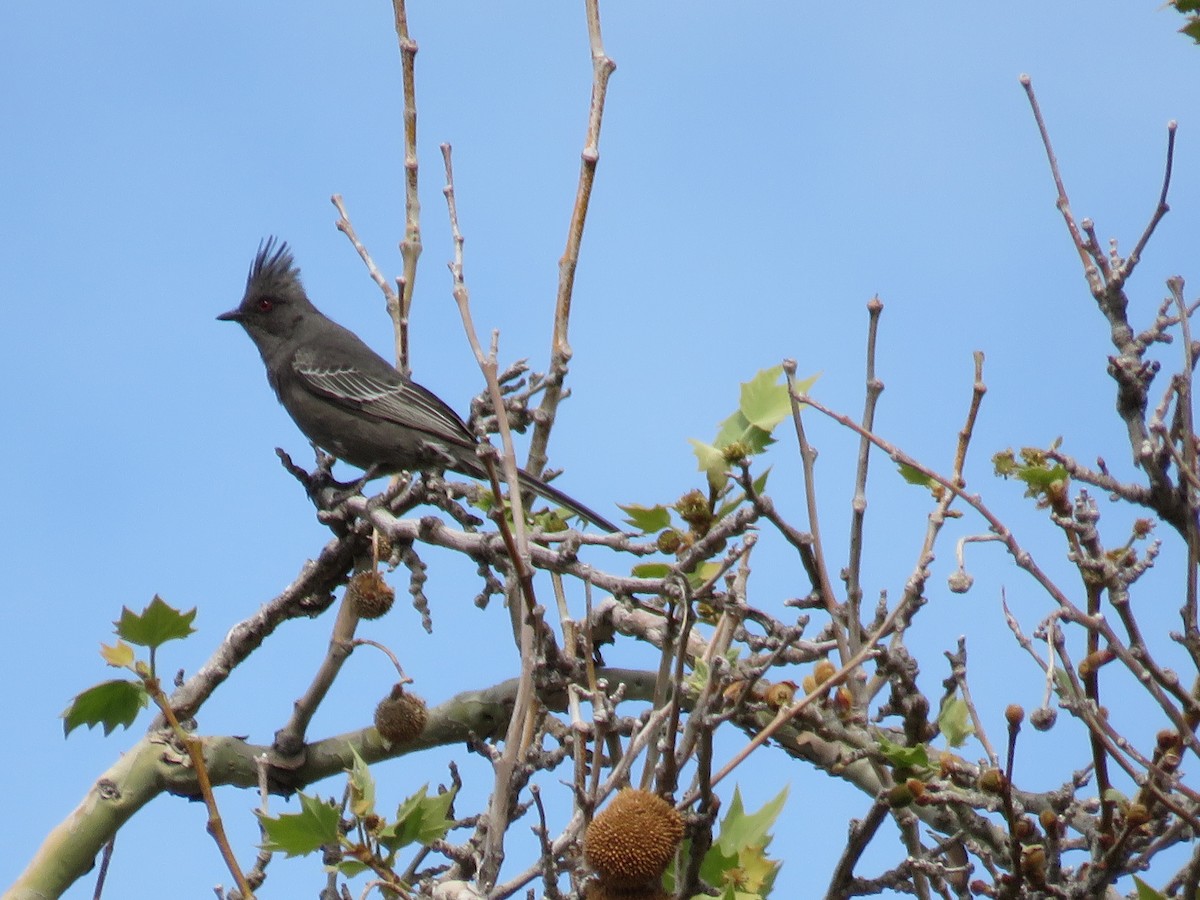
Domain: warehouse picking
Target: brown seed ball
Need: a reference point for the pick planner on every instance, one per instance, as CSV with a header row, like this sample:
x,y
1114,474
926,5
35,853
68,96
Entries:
x,y
369,595
400,717
1014,714
631,841
1043,718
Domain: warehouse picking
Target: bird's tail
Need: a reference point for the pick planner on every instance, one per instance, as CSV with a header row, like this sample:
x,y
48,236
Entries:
x,y
554,495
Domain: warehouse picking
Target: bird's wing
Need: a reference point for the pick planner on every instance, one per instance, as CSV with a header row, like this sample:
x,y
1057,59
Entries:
x,y
386,395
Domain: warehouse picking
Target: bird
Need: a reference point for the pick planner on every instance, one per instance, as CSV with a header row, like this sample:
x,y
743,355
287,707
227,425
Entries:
x,y
346,398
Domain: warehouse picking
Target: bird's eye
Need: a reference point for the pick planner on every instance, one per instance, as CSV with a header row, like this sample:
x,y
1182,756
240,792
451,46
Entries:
x,y
265,304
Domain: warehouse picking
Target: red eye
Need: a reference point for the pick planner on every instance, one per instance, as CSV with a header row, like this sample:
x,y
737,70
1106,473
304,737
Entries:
x,y
265,304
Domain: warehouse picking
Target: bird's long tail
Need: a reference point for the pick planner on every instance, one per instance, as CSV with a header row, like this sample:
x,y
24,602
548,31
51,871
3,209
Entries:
x,y
554,495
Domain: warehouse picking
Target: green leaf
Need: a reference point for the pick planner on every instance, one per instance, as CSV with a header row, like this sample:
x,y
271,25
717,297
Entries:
x,y
1192,30
362,787
1039,478
109,704
760,483
711,461
737,863
698,677
419,819
1145,892
737,429
715,864
298,834
647,519
733,428
1186,6
155,625
913,475
765,402
954,720
915,758
651,570
703,573
741,829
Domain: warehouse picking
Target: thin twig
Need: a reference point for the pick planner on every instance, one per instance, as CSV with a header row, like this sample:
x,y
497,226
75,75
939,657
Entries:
x,y
1160,210
102,872
346,227
195,750
808,457
861,833
874,388
560,347
410,247
1064,205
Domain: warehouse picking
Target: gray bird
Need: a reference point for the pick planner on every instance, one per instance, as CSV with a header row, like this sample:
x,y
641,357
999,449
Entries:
x,y
345,397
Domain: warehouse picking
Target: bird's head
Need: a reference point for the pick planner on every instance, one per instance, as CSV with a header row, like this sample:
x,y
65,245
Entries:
x,y
275,302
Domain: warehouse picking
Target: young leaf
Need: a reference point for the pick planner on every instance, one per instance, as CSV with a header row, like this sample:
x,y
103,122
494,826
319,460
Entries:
x,y
915,758
651,570
155,625
711,461
119,656
913,475
109,704
420,819
764,402
647,519
954,720
298,834
1145,892
362,787
737,862
760,483
734,428
703,573
738,429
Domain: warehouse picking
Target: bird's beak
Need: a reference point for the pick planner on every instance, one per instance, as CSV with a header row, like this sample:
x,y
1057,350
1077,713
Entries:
x,y
234,315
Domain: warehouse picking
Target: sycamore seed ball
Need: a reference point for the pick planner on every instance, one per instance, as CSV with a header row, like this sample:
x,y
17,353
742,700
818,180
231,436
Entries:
x,y
400,717
369,595
631,842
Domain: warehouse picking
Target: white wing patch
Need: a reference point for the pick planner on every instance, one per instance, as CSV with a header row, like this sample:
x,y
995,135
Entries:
x,y
398,400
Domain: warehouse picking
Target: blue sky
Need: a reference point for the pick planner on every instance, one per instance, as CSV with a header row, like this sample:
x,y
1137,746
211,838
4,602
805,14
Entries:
x,y
765,169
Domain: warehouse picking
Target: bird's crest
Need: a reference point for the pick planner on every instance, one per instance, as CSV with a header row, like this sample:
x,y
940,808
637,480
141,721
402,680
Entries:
x,y
272,263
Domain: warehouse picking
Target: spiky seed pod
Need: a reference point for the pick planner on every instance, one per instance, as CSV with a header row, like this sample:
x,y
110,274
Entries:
x,y
400,717
383,547
1043,718
369,595
671,541
631,842
693,508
